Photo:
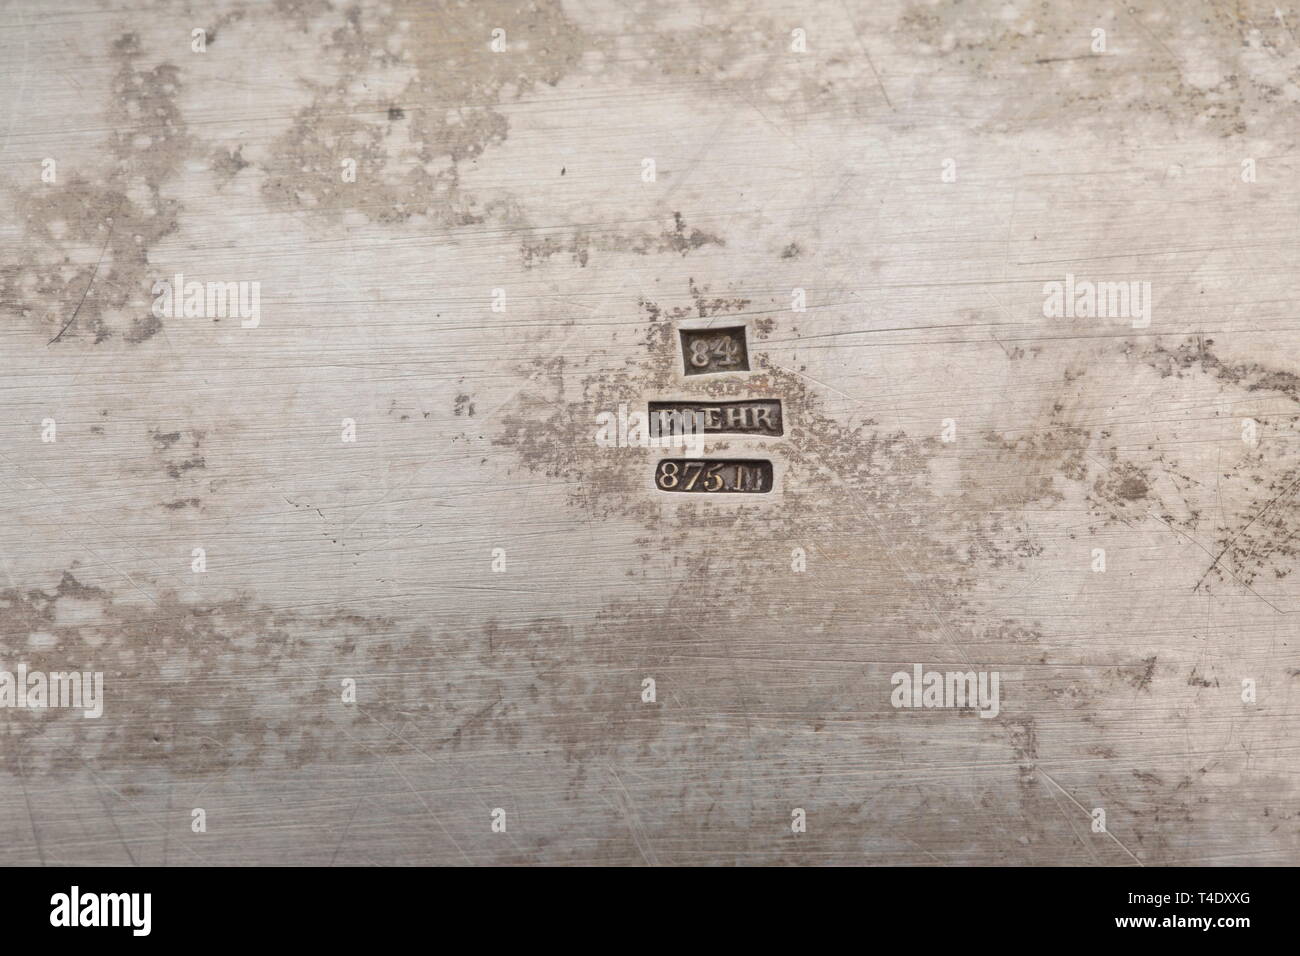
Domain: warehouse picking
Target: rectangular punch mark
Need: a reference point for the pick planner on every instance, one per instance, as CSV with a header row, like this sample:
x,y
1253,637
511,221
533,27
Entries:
x,y
714,475
760,416
714,350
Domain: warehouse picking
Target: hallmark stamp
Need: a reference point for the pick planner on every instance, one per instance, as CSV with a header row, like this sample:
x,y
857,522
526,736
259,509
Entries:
x,y
761,416
714,475
715,350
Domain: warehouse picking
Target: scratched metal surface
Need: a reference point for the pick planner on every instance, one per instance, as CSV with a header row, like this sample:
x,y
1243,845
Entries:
x,y
920,170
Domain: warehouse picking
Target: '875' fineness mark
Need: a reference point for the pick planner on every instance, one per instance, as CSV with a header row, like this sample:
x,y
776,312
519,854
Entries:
x,y
714,475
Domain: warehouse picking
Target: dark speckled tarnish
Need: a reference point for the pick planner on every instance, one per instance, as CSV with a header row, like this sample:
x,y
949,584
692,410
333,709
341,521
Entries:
x,y
358,573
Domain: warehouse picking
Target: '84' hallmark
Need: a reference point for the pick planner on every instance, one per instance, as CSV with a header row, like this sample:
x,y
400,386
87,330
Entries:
x,y
715,350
